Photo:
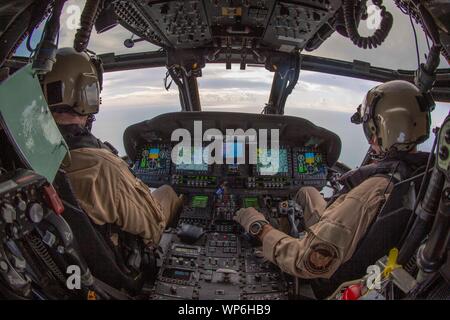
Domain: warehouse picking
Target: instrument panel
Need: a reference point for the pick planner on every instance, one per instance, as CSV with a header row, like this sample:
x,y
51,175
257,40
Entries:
x,y
208,255
300,157
284,169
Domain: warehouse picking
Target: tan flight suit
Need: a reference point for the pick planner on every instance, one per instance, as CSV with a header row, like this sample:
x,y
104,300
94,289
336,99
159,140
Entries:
x,y
332,233
110,193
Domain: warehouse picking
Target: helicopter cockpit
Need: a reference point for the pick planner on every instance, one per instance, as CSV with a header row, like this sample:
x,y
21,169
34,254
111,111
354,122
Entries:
x,y
219,161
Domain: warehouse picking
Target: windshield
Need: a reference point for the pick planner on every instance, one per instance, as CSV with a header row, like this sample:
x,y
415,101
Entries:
x,y
326,100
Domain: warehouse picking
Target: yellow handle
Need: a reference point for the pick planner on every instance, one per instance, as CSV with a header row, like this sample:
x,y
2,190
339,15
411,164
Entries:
x,y
391,264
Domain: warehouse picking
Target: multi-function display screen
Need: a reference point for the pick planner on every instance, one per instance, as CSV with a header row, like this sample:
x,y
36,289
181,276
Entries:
x,y
199,201
271,164
154,158
309,162
196,162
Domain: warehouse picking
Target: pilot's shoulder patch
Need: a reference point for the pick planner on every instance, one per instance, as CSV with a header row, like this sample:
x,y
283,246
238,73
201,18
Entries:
x,y
320,257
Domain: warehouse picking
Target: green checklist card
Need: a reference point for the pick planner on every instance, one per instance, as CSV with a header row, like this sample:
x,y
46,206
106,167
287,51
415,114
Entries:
x,y
29,124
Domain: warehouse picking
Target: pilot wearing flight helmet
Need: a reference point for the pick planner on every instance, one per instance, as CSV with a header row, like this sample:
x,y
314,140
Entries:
x,y
104,186
395,118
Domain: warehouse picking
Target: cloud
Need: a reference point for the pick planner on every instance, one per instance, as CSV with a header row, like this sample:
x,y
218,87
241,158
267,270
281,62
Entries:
x,y
225,89
144,88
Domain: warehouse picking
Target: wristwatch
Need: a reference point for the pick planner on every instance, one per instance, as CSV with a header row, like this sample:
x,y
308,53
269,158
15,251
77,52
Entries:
x,y
256,227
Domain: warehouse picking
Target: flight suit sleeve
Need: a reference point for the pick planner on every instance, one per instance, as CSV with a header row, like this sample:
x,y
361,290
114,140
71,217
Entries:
x,y
110,193
313,204
331,241
137,210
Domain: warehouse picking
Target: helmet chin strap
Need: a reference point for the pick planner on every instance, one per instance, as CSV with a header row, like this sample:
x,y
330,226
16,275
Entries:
x,y
380,156
383,155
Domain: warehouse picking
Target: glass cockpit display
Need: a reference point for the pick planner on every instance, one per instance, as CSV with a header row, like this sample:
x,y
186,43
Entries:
x,y
194,163
153,159
234,154
199,201
250,202
308,162
233,151
273,162
284,167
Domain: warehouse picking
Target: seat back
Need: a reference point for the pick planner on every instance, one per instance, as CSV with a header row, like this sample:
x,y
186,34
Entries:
x,y
383,234
97,253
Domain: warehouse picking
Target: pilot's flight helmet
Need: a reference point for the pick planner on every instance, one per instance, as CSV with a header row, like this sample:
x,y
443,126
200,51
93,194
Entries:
x,y
74,84
397,113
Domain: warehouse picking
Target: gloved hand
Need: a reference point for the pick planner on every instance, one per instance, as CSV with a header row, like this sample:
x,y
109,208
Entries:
x,y
246,216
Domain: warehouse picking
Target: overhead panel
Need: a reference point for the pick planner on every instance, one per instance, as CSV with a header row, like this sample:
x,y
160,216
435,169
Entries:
x,y
293,23
278,25
184,23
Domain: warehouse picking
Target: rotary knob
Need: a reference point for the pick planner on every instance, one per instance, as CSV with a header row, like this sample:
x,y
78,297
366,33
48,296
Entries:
x,y
35,212
173,290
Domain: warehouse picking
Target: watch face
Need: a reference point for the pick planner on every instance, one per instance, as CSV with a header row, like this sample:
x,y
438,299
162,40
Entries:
x,y
255,228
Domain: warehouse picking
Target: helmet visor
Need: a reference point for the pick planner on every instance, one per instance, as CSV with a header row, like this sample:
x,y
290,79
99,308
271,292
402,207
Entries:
x,y
92,94
369,103
365,110
90,91
55,93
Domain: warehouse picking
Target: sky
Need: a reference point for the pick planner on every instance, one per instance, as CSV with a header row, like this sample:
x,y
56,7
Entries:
x,y
326,100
